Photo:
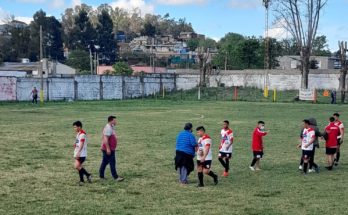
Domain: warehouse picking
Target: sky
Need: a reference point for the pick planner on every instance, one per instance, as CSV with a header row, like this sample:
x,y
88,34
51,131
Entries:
x,y
214,18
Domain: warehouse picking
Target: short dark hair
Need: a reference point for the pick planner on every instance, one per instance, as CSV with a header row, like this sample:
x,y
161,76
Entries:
x,y
200,128
227,122
332,119
336,114
306,121
188,126
110,118
77,124
261,122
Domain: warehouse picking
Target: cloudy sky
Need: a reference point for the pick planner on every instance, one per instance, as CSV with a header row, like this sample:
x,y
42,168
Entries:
x,y
214,18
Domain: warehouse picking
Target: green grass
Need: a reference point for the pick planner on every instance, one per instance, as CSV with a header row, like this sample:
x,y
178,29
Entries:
x,y
37,175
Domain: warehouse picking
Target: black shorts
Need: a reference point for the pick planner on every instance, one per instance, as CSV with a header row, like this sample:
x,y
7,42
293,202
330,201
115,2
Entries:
x,y
258,154
225,155
205,164
81,159
331,151
307,154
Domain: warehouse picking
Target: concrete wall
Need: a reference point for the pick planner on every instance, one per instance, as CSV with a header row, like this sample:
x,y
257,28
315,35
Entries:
x,y
116,87
25,85
112,87
61,89
8,88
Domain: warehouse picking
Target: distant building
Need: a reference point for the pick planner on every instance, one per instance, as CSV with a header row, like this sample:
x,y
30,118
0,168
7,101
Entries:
x,y
102,70
293,62
50,69
186,36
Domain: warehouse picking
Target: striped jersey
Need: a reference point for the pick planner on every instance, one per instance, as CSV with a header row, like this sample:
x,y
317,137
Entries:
x,y
307,136
81,138
341,126
203,143
226,140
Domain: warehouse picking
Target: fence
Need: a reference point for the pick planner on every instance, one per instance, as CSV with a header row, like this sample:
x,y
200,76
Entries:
x,y
86,87
238,85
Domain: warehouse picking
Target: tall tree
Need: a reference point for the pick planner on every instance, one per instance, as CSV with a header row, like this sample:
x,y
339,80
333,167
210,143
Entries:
x,y
106,38
320,46
39,19
54,45
248,53
228,57
52,37
301,19
84,35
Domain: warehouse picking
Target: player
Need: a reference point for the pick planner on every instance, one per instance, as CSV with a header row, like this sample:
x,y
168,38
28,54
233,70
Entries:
x,y
204,156
339,138
313,167
108,148
80,152
257,145
307,140
332,132
34,93
226,147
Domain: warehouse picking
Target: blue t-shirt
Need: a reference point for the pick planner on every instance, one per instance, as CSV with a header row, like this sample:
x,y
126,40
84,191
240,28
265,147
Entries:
x,y
186,142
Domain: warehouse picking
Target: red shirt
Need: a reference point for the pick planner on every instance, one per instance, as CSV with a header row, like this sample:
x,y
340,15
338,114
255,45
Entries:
x,y
257,142
333,131
110,133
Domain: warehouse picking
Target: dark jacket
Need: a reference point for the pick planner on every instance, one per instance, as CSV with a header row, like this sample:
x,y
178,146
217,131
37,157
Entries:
x,y
183,159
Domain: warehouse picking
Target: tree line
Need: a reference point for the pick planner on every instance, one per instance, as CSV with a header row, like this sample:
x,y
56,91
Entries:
x,y
83,29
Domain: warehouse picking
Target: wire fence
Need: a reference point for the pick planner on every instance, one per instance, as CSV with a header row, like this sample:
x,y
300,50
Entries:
x,y
246,94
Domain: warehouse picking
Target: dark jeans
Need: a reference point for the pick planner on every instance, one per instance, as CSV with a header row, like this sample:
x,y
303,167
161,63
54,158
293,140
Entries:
x,y
34,99
108,159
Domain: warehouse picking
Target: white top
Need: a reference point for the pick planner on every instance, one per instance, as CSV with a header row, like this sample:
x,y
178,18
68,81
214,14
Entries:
x,y
341,126
307,136
81,138
226,140
204,142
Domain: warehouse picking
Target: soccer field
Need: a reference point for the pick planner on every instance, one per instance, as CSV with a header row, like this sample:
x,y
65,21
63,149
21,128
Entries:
x,y
37,174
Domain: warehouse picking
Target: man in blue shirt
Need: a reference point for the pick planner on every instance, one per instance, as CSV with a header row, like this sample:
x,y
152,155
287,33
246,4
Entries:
x,y
185,152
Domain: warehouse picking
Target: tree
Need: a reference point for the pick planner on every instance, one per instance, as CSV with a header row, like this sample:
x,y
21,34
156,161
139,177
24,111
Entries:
x,y
122,68
228,57
320,47
248,53
301,19
289,47
148,30
83,35
106,39
19,46
54,45
343,49
275,50
193,44
52,37
79,60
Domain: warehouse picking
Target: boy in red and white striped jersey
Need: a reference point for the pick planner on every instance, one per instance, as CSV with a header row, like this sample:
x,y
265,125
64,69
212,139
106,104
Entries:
x,y
80,152
204,156
226,147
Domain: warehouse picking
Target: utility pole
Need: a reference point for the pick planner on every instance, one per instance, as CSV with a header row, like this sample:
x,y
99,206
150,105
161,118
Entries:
x,y
90,59
41,69
267,65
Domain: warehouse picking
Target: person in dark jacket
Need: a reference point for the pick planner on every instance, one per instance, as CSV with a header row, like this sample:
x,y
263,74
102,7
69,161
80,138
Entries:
x,y
313,125
185,152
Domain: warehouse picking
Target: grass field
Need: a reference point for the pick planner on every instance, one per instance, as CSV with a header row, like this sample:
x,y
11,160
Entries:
x,y
37,175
